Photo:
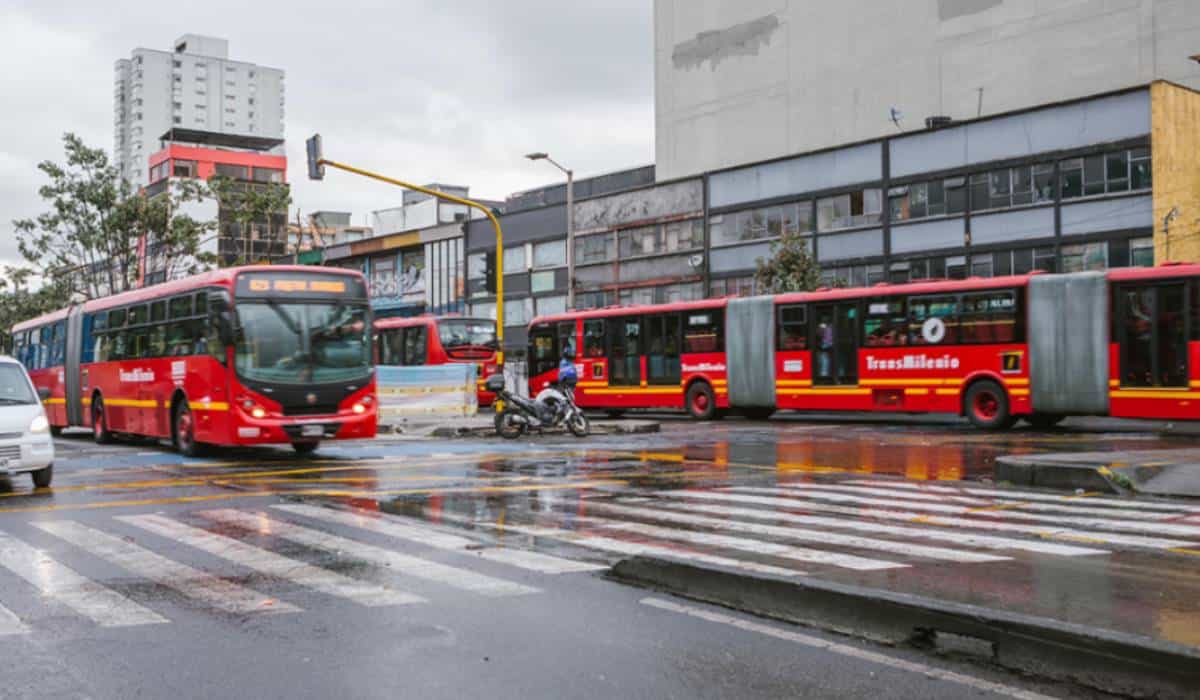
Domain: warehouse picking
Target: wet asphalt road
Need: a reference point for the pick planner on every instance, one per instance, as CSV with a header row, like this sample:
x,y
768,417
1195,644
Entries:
x,y
413,568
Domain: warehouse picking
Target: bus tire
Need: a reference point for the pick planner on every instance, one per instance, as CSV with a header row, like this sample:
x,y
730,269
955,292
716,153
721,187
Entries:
x,y
701,401
56,431
183,430
986,405
305,448
1044,421
100,429
43,477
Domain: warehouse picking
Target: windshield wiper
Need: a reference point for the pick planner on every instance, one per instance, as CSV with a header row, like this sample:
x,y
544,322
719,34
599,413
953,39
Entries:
x,y
288,321
9,401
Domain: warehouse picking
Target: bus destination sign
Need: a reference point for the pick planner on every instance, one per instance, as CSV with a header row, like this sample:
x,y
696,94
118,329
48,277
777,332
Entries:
x,y
298,284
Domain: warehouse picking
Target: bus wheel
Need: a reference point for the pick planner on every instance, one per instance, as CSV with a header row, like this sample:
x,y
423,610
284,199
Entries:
x,y
185,431
701,402
56,431
305,448
987,406
100,423
1044,421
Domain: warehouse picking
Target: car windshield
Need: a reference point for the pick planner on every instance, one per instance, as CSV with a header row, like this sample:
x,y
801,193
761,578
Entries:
x,y
466,333
14,387
302,343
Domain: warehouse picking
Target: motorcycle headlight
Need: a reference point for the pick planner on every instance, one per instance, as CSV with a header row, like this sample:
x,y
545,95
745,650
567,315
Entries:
x,y
39,424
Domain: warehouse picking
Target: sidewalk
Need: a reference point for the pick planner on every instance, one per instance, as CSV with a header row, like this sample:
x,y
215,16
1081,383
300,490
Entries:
x,y
483,425
1165,473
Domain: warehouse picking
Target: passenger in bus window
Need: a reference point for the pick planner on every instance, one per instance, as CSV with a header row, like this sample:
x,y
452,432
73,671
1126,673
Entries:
x,y
824,349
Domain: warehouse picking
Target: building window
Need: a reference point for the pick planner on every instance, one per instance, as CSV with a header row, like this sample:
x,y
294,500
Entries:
x,y
230,124
1012,187
548,306
732,287
925,199
594,300
177,119
542,282
518,312
237,172
636,242
681,236
1110,173
185,168
1141,252
515,260
594,249
859,208
1085,256
268,175
550,254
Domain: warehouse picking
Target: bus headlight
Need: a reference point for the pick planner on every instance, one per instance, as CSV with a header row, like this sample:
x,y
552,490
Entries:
x,y
359,408
258,412
39,425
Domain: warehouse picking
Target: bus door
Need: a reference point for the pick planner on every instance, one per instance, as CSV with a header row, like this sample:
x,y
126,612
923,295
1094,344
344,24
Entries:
x,y
662,350
71,362
1151,328
835,344
625,351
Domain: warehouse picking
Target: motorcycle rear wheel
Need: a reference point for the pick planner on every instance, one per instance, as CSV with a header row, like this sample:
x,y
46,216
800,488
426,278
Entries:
x,y
508,424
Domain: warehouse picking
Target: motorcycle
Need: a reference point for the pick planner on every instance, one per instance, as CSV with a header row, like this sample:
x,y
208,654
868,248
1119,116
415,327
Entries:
x,y
554,407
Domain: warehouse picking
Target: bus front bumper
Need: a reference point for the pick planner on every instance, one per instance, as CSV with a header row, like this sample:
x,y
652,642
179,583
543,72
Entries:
x,y
343,426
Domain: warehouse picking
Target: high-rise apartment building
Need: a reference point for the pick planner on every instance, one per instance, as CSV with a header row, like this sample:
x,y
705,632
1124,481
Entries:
x,y
193,94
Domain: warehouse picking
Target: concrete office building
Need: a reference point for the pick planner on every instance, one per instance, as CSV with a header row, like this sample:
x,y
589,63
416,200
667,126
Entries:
x,y
192,94
751,80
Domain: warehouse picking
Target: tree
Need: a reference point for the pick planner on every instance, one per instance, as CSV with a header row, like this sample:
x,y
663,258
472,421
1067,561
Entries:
x,y
791,267
259,212
98,231
19,303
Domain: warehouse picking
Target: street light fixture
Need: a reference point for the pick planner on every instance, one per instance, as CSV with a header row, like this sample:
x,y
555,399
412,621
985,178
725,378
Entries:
x,y
570,222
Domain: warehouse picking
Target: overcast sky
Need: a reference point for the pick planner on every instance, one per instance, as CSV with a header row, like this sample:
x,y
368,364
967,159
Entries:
x,y
452,92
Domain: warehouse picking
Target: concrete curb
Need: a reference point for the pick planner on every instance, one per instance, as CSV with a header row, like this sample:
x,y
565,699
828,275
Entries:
x,y
1049,474
1104,660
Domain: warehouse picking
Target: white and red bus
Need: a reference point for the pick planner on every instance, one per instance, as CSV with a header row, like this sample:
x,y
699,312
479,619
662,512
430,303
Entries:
x,y
439,340
240,356
1040,347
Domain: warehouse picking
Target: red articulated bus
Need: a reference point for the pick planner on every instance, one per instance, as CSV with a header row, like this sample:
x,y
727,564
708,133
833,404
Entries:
x,y
439,340
241,356
1039,347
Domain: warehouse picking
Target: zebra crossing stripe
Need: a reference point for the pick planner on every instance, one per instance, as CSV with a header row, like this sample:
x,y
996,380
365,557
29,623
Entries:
x,y
193,583
98,603
524,559
1137,526
1038,530
10,624
630,549
1168,508
965,539
411,566
1076,507
811,556
272,564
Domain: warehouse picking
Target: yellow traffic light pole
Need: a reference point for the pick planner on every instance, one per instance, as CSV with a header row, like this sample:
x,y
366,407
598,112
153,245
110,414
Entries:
x,y
465,202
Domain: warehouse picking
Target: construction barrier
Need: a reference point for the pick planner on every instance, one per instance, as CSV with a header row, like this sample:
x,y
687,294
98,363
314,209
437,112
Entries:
x,y
406,393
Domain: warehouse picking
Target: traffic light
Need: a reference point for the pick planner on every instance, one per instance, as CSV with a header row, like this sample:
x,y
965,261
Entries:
x,y
489,271
316,171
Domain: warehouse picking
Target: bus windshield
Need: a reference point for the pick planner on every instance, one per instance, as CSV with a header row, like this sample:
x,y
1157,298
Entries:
x,y
467,333
302,343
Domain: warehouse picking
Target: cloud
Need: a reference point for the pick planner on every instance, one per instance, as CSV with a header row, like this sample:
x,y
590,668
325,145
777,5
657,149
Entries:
x,y
419,89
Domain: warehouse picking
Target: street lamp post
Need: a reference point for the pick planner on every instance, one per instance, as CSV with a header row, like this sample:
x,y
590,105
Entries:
x,y
570,224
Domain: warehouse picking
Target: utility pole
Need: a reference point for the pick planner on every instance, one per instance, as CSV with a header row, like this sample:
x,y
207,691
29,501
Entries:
x,y
570,224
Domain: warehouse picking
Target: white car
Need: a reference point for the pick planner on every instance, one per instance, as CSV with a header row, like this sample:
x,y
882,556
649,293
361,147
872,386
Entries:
x,y
25,442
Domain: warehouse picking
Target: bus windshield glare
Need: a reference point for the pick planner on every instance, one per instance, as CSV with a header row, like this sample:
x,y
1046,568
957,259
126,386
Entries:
x,y
465,333
301,343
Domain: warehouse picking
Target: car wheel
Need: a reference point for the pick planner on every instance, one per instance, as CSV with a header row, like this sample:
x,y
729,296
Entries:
x,y
42,477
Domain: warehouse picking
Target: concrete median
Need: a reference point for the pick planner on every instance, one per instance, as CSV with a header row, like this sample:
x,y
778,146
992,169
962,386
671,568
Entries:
x,y
1110,661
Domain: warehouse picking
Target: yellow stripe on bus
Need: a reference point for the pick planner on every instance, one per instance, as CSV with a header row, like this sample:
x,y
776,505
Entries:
x,y
826,392
1154,394
208,406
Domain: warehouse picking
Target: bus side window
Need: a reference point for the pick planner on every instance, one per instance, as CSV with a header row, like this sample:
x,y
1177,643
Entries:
x,y
885,324
414,345
46,350
701,332
179,339
593,338
933,320
793,328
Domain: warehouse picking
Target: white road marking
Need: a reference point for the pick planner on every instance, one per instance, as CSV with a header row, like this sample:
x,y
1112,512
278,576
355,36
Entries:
x,y
272,564
1138,526
385,525
811,556
965,539
1033,496
401,563
1043,531
627,548
100,604
219,593
978,684
10,624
